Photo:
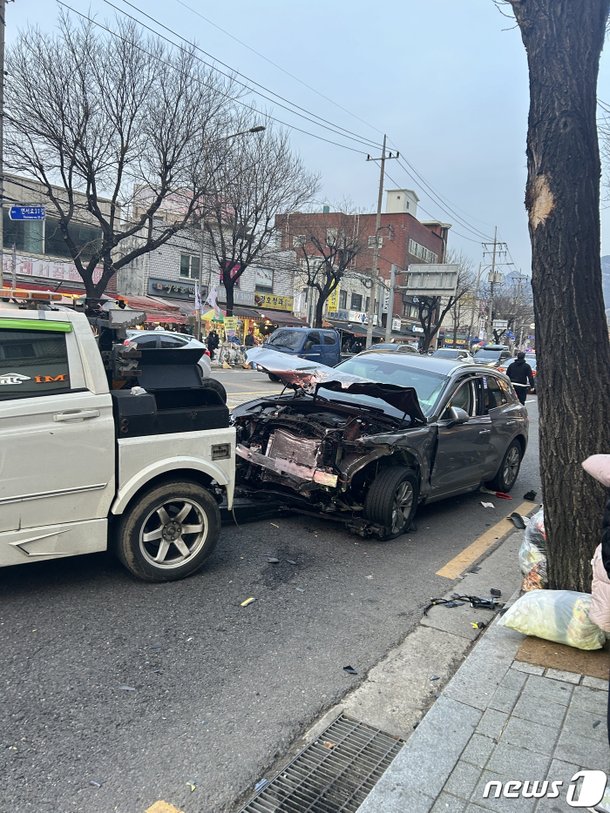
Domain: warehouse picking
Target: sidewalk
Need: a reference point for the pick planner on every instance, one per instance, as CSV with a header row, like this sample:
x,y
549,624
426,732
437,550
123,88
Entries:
x,y
502,718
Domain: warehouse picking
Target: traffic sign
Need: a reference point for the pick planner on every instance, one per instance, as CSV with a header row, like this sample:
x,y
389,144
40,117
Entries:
x,y
26,213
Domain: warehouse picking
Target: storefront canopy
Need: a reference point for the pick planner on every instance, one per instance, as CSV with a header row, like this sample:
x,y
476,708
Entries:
x,y
356,328
156,309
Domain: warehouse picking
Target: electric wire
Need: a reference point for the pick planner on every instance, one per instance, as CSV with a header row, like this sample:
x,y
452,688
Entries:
x,y
326,124
230,98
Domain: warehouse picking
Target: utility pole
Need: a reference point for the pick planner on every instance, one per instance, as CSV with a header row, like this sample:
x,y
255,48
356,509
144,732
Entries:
x,y
2,29
372,298
498,252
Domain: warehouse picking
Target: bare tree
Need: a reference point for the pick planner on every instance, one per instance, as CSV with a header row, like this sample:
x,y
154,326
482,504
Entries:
x,y
327,254
513,304
107,123
563,41
463,305
262,179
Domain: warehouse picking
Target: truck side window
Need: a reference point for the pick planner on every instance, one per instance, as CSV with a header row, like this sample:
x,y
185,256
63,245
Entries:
x,y
328,339
32,363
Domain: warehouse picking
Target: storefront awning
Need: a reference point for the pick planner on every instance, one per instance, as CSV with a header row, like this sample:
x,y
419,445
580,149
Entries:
x,y
156,309
356,329
282,318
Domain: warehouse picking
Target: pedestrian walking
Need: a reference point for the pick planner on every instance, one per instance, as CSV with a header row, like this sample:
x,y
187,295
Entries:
x,y
250,340
520,373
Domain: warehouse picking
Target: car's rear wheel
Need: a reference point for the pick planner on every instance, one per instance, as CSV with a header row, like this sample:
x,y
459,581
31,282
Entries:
x,y
168,532
508,472
391,500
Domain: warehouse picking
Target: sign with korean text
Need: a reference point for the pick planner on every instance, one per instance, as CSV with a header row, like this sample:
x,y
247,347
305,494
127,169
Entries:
x,y
274,302
26,213
177,289
332,303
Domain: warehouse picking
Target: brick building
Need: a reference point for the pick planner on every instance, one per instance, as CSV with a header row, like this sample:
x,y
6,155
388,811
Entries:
x,y
403,240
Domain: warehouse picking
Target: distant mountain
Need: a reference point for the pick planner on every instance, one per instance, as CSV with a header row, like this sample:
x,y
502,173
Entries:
x,y
606,280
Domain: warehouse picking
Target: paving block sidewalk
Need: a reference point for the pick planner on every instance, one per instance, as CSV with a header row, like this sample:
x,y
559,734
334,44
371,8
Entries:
x,y
498,719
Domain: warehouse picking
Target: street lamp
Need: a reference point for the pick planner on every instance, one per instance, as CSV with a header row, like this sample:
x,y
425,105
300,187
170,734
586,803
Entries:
x,y
258,128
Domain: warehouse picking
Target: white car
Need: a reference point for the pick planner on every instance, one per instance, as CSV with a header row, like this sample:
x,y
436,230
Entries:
x,y
175,341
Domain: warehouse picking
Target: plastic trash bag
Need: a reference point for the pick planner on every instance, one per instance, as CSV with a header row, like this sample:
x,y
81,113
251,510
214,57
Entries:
x,y
556,615
535,532
600,589
532,554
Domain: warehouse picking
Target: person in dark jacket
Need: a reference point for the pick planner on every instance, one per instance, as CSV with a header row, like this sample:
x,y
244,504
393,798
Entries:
x,y
520,373
212,341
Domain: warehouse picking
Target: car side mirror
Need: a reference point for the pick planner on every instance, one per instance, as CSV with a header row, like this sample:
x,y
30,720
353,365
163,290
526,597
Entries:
x,y
457,415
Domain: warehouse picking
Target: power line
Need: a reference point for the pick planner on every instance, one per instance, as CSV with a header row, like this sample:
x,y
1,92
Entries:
x,y
326,124
230,98
279,67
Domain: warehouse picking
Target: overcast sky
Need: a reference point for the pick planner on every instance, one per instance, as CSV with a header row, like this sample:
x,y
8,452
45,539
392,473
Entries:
x,y
445,79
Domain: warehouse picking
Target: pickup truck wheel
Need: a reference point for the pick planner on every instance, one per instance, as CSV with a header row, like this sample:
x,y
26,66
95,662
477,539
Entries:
x,y
392,499
509,469
169,532
213,384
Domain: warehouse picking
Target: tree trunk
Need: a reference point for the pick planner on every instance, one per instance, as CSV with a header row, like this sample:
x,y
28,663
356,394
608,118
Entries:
x,y
563,40
229,285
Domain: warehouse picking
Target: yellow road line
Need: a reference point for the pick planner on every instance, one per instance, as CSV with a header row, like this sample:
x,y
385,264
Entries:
x,y
162,807
474,551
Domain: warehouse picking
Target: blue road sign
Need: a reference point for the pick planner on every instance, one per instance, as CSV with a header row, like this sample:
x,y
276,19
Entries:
x,y
26,213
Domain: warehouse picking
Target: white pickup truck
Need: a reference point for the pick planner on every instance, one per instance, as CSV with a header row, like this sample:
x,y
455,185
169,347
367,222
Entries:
x,y
82,470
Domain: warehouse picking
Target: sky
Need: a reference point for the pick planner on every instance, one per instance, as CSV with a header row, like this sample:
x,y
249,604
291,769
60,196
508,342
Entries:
x,y
446,80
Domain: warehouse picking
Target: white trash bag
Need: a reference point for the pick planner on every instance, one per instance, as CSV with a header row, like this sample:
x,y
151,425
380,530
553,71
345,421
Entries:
x,y
556,615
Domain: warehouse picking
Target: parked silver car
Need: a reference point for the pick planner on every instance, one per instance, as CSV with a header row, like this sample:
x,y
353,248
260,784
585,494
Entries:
x,y
369,440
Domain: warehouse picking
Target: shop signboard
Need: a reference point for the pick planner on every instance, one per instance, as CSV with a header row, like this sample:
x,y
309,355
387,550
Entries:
x,y
340,315
273,302
176,289
245,298
332,303
424,279
396,324
362,317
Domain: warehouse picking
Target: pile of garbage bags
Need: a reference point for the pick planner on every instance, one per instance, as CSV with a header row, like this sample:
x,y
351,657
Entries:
x,y
563,616
532,554
556,615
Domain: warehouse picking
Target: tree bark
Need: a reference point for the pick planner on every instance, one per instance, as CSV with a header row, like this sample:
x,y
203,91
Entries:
x,y
563,41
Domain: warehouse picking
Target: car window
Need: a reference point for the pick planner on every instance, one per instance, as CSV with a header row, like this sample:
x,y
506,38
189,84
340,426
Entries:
x,y
328,339
148,340
288,339
33,362
492,395
508,391
314,337
171,341
463,398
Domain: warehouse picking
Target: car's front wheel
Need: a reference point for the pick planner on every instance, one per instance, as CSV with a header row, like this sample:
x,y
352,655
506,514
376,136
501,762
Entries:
x,y
168,532
508,472
391,500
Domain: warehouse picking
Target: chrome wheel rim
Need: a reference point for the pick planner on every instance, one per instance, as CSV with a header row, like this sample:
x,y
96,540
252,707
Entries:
x,y
511,466
403,505
173,533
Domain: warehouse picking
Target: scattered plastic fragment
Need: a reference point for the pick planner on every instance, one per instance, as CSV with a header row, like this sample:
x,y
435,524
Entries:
x,y
475,569
495,592
247,601
328,745
350,670
192,787
596,723
127,688
273,525
272,560
502,496
434,677
95,784
261,784
300,589
484,490
517,520
531,496
478,625
291,561
488,505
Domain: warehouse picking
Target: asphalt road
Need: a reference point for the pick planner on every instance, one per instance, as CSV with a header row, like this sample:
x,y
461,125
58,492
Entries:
x,y
116,694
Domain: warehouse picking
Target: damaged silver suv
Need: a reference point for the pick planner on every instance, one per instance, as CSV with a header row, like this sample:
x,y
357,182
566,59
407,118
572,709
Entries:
x,y
371,439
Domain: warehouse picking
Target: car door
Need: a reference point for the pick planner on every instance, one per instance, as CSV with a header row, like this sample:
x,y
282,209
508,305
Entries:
x,y
56,435
506,418
462,449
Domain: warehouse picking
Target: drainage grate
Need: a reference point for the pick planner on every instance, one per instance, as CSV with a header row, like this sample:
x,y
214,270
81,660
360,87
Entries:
x,y
335,773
